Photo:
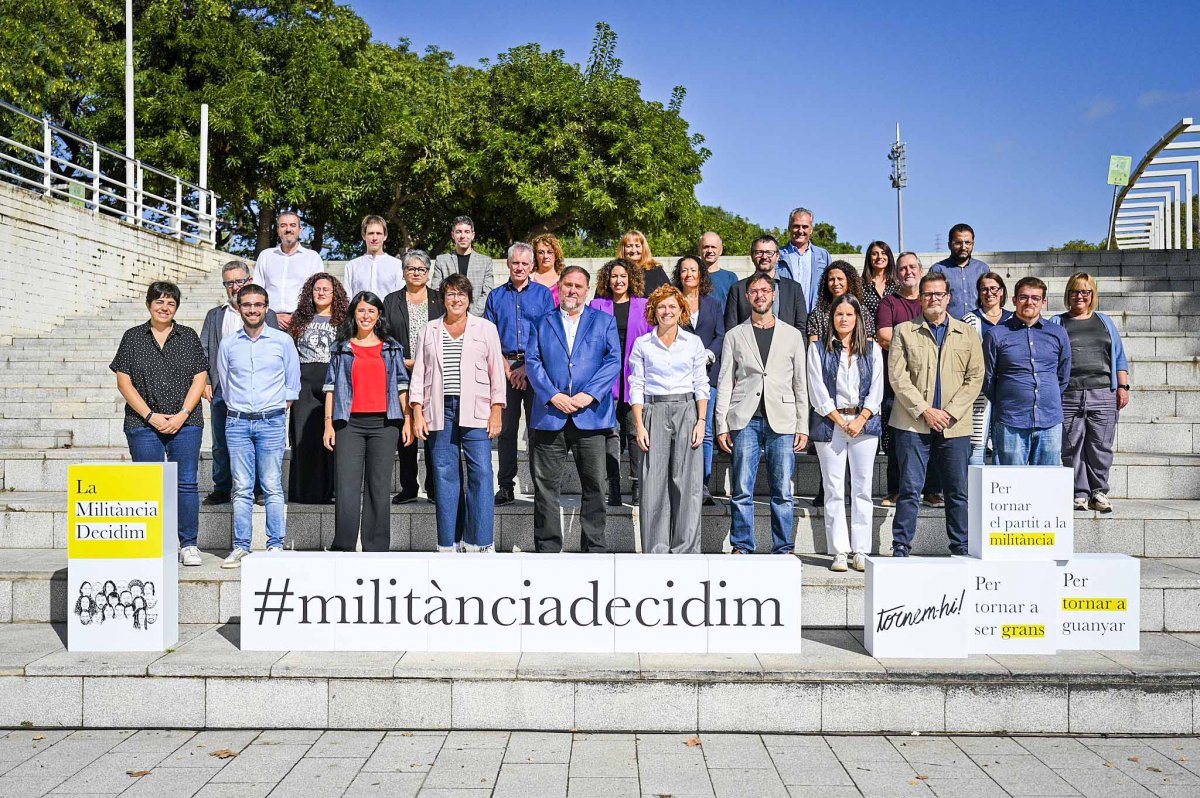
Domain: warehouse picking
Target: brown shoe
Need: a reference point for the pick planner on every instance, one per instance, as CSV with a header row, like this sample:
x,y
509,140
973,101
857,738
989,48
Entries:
x,y
889,500
935,500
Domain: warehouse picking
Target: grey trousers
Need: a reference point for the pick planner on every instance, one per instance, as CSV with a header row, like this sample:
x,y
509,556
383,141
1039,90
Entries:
x,y
672,477
1089,429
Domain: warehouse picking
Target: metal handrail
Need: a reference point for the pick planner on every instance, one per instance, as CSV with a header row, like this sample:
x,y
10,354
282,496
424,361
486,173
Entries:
x,y
171,205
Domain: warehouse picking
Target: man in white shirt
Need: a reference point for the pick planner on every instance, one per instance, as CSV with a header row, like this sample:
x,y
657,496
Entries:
x,y
377,271
282,270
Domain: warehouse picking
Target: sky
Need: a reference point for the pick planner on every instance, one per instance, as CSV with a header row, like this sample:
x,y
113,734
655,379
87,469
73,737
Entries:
x,y
1010,110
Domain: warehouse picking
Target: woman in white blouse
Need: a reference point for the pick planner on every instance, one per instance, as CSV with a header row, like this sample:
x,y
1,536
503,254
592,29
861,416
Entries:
x,y
668,387
845,389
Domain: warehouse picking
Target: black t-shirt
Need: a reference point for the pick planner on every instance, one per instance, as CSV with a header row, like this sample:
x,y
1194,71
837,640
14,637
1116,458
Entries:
x,y
163,376
1091,353
621,314
655,278
463,260
763,338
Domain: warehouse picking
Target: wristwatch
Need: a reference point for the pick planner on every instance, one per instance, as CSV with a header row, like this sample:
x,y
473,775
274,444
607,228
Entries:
x,y
1123,387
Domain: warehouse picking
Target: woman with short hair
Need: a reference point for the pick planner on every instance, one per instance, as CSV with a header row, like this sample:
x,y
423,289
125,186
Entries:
x,y
320,312
1097,392
845,388
668,383
161,372
991,295
459,389
366,414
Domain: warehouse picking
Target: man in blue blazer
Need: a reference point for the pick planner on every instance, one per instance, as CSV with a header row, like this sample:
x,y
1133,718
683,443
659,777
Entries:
x,y
572,361
802,260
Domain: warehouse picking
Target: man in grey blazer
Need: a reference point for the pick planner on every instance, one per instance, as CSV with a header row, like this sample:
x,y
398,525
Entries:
x,y
466,261
762,406
220,321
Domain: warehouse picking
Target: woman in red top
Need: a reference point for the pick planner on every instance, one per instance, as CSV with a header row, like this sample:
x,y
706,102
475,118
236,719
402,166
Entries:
x,y
366,408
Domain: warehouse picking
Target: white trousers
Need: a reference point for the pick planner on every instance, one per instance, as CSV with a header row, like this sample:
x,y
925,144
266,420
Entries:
x,y
860,453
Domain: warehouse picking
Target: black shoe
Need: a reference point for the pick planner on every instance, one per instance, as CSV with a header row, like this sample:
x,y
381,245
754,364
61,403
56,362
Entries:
x,y
635,494
260,499
958,551
614,493
819,499
216,497
505,496
404,497
708,499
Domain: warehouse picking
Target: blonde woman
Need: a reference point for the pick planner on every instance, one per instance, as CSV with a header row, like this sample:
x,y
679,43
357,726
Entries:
x,y
634,248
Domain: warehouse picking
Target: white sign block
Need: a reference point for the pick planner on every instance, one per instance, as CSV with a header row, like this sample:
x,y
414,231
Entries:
x,y
376,587
290,601
567,607
764,615
915,607
1021,512
459,596
665,591
1099,602
1011,607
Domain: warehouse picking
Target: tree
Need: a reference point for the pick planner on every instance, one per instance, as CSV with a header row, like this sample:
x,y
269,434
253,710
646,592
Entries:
x,y
825,235
1077,245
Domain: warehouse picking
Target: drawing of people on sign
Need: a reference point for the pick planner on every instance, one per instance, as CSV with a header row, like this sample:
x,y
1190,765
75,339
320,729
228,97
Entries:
x,y
119,603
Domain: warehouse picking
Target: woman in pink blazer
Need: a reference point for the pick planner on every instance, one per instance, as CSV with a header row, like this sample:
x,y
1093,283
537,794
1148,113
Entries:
x,y
619,293
456,394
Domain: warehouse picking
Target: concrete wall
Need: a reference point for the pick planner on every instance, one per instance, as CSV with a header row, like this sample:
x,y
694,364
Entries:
x,y
59,260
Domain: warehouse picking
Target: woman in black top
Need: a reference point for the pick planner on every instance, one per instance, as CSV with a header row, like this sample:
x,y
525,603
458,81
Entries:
x,y
161,372
878,277
839,278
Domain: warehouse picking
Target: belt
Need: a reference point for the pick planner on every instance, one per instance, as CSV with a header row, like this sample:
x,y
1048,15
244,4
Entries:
x,y
670,397
849,411
279,411
513,355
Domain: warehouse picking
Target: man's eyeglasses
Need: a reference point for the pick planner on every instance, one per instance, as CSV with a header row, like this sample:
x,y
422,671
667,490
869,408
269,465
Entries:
x,y
1027,298
235,283
762,253
253,305
760,291
934,296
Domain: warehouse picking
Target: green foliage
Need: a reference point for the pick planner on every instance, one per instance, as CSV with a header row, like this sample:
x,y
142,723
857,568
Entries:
x,y
1077,245
824,235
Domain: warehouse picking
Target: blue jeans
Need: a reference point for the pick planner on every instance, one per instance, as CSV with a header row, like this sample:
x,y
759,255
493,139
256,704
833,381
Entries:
x,y
749,445
466,507
147,445
914,451
1017,446
708,435
257,446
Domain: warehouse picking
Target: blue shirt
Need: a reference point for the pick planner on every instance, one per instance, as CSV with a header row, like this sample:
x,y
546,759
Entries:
x,y
1027,371
961,280
801,272
984,324
939,336
722,281
514,311
259,374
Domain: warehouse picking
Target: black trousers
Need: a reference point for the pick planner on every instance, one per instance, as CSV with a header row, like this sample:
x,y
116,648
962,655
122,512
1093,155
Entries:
x,y
408,467
623,436
510,427
549,461
365,447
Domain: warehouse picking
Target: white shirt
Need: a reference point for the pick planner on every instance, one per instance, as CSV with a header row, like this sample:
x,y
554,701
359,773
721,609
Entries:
x,y
658,370
231,322
570,327
847,383
381,275
283,275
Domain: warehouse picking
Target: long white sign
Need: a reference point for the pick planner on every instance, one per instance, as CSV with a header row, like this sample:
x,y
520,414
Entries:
x,y
327,601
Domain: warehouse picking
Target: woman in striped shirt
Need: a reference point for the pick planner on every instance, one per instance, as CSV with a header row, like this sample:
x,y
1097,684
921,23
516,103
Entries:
x,y
457,393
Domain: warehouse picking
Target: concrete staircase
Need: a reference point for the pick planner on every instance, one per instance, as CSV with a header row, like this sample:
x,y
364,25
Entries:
x,y
59,405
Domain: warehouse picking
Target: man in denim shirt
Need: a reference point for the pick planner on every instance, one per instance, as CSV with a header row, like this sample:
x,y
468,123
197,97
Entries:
x,y
259,371
1028,364
961,270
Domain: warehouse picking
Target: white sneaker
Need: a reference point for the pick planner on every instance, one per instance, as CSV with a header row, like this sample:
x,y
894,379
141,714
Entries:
x,y
447,549
1081,504
190,555
1100,502
839,563
234,560
860,562
274,548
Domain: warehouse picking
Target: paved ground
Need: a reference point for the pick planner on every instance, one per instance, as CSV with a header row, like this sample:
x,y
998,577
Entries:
x,y
312,764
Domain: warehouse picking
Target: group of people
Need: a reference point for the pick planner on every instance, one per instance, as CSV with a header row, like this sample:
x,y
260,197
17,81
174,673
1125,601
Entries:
x,y
415,352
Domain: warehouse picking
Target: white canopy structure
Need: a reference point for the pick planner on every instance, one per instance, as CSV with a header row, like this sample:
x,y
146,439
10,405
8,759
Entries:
x,y
1155,210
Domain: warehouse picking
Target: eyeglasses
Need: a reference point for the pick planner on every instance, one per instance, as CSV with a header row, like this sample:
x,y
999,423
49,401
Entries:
x,y
1080,292
763,253
935,296
253,305
1028,298
991,290
417,269
455,295
760,291
235,283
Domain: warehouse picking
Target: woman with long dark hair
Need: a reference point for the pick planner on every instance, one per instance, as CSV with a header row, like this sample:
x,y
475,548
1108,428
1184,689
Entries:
x,y
838,279
845,389
320,311
878,277
366,415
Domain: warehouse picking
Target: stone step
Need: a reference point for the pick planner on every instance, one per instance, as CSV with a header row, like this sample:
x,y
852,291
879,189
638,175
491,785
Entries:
x,y
34,582
35,440
833,687
1171,435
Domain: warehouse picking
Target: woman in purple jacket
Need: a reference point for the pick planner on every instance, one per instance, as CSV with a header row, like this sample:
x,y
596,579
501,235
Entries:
x,y
619,293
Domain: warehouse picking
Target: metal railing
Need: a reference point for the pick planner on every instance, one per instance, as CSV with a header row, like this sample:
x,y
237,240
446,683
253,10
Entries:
x,y
43,157
1154,210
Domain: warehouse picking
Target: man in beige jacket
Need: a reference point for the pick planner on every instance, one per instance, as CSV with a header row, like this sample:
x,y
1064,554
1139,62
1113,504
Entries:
x,y
935,365
762,406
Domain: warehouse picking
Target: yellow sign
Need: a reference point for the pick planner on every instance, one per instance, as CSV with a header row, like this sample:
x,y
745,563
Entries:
x,y
1009,631
1072,604
115,511
1021,538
